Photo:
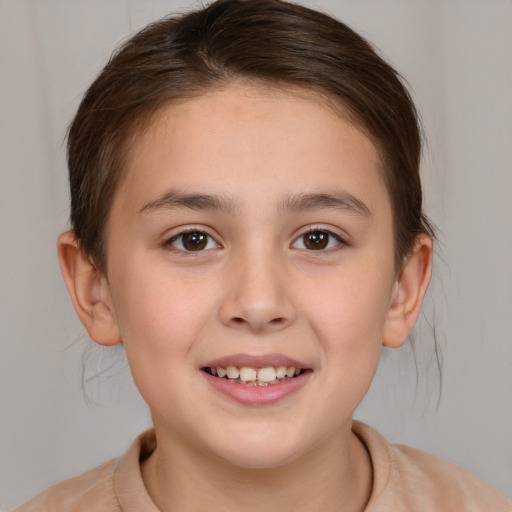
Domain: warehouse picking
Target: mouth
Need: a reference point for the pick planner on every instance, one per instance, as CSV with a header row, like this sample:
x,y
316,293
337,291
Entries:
x,y
256,380
253,376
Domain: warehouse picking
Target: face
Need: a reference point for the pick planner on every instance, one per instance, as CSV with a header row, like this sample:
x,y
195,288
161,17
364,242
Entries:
x,y
252,234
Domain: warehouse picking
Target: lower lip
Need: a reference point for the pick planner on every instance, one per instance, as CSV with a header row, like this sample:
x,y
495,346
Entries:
x,y
257,395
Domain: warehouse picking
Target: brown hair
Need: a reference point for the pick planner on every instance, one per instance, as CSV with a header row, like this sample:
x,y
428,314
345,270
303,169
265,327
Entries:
x,y
268,41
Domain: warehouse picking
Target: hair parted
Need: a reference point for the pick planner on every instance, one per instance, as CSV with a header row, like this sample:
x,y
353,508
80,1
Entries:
x,y
264,41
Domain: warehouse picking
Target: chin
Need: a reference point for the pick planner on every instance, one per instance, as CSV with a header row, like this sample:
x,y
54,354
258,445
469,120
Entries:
x,y
259,452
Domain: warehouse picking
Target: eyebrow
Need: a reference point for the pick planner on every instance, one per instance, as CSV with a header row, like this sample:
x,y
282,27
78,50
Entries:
x,y
343,201
201,202
338,200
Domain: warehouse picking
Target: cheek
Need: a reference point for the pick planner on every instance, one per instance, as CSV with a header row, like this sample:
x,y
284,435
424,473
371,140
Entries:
x,y
160,317
160,312
348,312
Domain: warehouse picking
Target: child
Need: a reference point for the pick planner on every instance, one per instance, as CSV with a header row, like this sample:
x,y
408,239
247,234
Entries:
x,y
247,220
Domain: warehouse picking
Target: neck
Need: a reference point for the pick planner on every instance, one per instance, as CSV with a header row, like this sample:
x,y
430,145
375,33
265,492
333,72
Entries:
x,y
334,476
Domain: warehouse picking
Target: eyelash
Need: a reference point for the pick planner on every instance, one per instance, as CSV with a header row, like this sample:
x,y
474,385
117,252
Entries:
x,y
180,236
330,236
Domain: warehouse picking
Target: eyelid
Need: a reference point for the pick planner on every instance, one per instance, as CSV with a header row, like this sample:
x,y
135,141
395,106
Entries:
x,y
184,230
342,241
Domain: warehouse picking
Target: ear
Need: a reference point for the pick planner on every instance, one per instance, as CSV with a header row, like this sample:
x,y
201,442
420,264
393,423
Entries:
x,y
89,291
408,292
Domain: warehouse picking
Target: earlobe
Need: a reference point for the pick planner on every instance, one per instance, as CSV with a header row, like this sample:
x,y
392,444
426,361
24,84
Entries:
x,y
89,291
409,290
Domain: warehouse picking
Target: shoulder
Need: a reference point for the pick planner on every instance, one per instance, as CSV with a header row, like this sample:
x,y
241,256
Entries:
x,y
92,490
409,479
445,483
114,486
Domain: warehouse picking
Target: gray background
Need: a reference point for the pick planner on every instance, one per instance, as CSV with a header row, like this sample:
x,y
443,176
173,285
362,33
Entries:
x,y
457,57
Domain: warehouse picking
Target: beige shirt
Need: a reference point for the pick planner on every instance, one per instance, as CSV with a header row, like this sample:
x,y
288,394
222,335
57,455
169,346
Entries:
x,y
405,479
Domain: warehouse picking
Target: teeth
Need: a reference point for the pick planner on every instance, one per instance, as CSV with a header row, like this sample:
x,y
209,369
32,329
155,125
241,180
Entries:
x,y
232,372
247,374
254,376
267,374
281,372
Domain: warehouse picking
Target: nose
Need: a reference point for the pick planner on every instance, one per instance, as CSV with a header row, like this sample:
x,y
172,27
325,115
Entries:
x,y
258,296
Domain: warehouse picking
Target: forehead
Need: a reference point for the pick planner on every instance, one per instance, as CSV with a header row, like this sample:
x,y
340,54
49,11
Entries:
x,y
227,140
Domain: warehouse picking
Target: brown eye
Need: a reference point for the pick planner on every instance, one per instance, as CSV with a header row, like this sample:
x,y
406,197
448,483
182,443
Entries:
x,y
317,240
193,241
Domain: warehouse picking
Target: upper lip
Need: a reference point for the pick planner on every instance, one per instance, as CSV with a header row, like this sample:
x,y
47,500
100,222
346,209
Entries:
x,y
255,361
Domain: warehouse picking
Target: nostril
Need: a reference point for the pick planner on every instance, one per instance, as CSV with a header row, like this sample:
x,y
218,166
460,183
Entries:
x,y
257,321
275,321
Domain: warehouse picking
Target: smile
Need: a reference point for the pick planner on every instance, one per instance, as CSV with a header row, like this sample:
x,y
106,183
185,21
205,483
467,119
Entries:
x,y
256,380
250,376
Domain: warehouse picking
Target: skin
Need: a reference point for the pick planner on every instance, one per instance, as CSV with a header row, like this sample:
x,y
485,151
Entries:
x,y
256,288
